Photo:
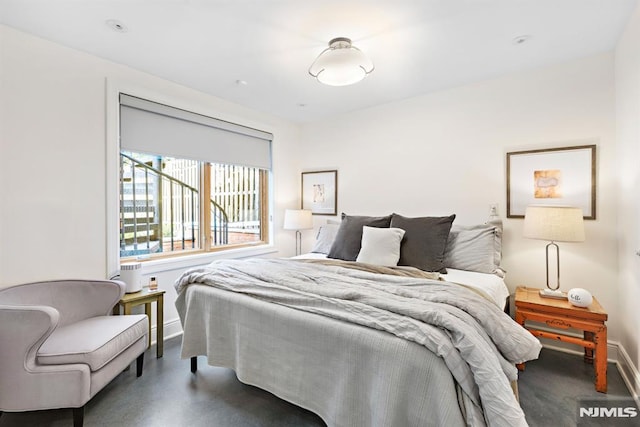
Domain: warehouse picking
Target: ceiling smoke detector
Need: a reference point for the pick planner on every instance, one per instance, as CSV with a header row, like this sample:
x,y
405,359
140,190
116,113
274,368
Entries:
x,y
116,25
521,39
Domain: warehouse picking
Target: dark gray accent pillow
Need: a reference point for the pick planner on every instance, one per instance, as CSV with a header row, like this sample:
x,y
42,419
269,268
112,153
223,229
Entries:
x,y
425,240
348,241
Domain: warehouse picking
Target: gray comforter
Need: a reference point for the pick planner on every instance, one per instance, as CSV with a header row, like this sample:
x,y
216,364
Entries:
x,y
478,342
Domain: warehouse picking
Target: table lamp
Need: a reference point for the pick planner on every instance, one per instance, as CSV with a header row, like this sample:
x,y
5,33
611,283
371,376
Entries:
x,y
555,224
298,219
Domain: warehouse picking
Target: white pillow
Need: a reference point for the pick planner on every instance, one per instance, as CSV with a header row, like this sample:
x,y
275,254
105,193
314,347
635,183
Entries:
x,y
380,246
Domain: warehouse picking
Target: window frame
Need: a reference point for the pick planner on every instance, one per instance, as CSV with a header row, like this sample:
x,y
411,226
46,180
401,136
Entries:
x,y
264,213
114,88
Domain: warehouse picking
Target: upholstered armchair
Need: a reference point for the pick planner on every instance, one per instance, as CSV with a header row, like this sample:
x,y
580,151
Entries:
x,y
59,346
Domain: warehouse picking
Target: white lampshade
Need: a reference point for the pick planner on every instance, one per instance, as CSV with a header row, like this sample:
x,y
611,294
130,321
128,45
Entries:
x,y
297,219
341,64
554,223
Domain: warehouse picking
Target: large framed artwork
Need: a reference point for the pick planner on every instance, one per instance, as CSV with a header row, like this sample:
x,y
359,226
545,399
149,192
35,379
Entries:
x,y
320,192
563,176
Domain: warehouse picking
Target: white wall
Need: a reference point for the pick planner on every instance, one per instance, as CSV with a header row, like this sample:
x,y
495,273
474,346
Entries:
x,y
52,160
627,67
430,155
445,153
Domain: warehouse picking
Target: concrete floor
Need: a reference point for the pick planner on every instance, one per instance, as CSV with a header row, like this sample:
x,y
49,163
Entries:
x,y
553,388
167,394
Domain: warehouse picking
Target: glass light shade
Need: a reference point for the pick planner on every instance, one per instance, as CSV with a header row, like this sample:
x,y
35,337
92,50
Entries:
x,y
297,219
554,223
341,64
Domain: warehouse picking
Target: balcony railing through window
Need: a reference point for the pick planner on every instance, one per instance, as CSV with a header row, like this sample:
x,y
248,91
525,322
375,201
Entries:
x,y
160,205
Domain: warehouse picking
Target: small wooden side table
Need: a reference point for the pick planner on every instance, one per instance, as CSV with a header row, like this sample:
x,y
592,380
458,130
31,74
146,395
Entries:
x,y
146,297
561,314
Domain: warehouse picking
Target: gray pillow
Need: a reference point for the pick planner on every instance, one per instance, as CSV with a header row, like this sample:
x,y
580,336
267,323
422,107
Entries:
x,y
424,241
475,248
348,240
325,238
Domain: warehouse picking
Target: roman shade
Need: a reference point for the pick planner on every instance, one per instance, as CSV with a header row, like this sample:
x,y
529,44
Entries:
x,y
152,128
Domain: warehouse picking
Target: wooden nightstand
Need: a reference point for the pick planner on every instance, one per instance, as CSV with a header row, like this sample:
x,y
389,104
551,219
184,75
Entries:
x,y
560,314
146,297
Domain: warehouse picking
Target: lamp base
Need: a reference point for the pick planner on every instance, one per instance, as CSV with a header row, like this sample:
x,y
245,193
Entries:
x,y
550,293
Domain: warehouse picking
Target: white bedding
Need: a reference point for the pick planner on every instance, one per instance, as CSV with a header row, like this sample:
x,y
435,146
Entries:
x,y
491,285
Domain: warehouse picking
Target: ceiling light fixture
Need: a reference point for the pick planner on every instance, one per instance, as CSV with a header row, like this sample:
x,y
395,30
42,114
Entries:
x,y
341,64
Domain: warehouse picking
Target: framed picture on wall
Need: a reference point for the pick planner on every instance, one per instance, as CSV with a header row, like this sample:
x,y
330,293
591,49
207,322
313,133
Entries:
x,y
563,176
320,192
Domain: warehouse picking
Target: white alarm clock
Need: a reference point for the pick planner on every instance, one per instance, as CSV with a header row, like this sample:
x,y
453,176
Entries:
x,y
579,297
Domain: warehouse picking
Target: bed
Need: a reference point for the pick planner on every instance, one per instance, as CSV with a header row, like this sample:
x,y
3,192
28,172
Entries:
x,y
362,343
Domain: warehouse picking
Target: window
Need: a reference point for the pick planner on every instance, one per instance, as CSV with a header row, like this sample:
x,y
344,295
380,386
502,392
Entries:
x,y
188,182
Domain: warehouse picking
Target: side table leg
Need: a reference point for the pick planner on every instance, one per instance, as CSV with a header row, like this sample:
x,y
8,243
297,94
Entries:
x,y
147,311
588,352
160,326
600,340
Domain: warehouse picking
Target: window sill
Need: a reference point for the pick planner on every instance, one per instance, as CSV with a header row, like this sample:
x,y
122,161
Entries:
x,y
188,261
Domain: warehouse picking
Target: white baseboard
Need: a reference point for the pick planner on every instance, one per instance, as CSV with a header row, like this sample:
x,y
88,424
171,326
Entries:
x,y
612,349
629,373
172,329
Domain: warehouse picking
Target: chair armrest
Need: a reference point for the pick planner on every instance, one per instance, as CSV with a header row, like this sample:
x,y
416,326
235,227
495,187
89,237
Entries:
x,y
25,384
75,300
23,329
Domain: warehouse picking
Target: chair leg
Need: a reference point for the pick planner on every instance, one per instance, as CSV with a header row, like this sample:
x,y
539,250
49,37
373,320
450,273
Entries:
x,y
194,364
78,416
139,363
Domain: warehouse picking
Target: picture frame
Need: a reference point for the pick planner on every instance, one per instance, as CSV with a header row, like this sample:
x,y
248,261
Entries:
x,y
564,176
320,192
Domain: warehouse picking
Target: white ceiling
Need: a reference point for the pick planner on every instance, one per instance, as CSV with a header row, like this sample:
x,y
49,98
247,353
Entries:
x,y
417,46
